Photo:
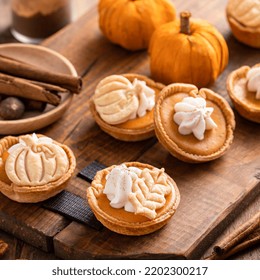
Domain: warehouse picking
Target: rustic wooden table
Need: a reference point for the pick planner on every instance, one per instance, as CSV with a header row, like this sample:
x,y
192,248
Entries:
x,y
205,216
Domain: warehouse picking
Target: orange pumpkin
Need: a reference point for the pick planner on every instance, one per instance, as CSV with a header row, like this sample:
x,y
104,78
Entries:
x,y
130,23
187,51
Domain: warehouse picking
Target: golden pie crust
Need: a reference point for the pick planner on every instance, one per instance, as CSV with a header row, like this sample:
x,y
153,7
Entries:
x,y
187,147
133,130
245,34
244,101
31,194
120,221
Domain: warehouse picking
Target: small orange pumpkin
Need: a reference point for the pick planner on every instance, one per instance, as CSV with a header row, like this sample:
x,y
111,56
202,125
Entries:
x,y
130,23
187,51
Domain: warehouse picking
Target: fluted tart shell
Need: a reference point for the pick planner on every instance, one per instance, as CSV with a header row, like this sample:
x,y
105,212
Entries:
x,y
245,34
243,100
187,147
31,194
126,223
133,130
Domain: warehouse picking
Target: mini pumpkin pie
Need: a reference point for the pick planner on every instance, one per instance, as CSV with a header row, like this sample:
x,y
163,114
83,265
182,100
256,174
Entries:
x,y
193,125
133,198
34,168
244,19
243,86
123,106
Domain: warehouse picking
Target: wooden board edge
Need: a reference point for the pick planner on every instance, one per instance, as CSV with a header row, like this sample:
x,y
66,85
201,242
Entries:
x,y
65,252
28,234
197,250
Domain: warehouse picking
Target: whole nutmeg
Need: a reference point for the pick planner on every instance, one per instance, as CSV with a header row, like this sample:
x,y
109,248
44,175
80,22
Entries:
x,y
11,108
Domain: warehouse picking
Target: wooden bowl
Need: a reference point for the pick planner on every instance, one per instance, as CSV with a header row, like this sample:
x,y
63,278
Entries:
x,y
50,60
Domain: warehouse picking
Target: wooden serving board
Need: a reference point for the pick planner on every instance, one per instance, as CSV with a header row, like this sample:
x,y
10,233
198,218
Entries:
x,y
212,194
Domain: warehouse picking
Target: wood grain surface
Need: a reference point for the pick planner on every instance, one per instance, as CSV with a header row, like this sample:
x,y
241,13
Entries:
x,y
212,194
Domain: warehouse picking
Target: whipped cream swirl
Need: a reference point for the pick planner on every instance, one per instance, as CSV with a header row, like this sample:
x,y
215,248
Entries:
x,y
140,191
192,116
118,186
253,81
146,97
117,100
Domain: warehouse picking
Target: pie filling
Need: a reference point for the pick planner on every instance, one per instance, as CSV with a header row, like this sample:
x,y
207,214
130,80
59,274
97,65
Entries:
x,y
118,211
246,97
214,139
138,123
125,104
122,215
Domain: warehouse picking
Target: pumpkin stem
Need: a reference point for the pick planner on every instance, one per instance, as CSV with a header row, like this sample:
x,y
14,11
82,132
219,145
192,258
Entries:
x,y
185,22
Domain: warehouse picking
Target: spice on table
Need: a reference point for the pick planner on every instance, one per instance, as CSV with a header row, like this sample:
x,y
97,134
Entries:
x,y
3,248
251,241
246,236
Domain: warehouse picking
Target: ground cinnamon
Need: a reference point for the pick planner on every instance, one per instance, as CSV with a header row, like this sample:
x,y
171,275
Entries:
x,y
39,19
24,70
12,86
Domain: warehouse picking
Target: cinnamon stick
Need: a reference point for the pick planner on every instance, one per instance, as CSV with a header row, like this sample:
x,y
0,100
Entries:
x,y
251,241
51,88
13,86
246,236
238,235
24,70
243,246
3,248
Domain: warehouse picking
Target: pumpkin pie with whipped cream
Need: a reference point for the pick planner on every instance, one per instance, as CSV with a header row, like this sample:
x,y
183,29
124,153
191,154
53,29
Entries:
x,y
193,125
133,198
123,106
34,167
244,20
243,86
